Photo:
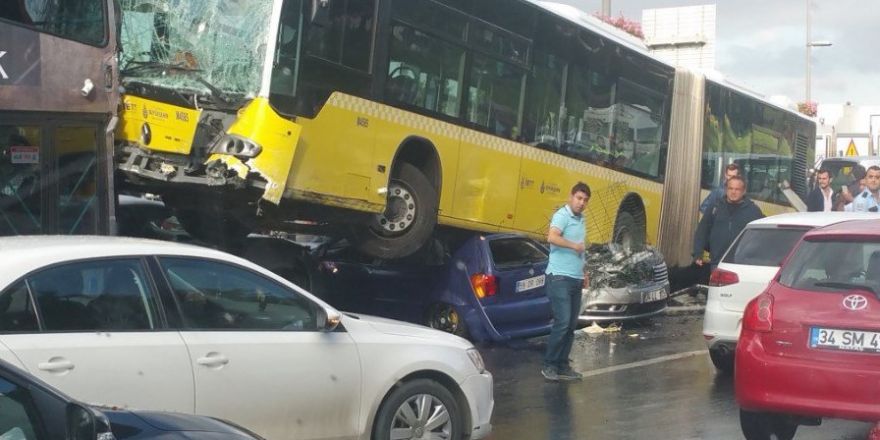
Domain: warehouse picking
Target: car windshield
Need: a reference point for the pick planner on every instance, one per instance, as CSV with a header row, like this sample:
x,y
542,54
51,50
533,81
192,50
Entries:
x,y
209,47
834,266
763,246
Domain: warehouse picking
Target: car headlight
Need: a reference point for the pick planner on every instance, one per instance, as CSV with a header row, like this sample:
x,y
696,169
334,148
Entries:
x,y
476,359
236,146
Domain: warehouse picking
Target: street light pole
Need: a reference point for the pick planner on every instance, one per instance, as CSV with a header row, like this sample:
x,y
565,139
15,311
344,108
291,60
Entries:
x,y
810,45
606,8
809,48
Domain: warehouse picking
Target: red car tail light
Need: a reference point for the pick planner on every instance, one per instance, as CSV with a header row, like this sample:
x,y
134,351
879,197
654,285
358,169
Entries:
x,y
484,285
758,315
721,277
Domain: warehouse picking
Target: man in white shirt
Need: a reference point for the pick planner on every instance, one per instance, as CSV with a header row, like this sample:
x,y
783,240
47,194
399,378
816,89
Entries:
x,y
822,197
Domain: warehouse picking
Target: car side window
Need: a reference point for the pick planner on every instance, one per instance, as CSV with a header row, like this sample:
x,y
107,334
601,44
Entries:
x,y
218,296
18,418
99,295
512,252
17,311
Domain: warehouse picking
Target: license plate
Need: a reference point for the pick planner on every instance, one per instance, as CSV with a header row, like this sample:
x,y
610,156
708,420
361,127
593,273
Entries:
x,y
847,340
654,295
529,283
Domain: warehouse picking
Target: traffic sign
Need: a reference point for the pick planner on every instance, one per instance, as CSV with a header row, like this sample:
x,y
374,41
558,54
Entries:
x,y
851,149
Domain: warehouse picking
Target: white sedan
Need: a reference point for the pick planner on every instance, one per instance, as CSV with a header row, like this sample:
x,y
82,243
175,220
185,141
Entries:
x,y
155,325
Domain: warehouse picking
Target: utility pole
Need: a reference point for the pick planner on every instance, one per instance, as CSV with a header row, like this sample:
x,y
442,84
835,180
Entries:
x,y
606,8
810,45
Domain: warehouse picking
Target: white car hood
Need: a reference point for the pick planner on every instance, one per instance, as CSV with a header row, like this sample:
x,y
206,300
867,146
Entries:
x,y
400,328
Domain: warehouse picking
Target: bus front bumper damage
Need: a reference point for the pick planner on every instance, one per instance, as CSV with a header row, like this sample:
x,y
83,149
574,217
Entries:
x,y
273,142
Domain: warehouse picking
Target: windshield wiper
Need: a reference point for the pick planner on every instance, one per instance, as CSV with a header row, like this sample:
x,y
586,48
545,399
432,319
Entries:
x,y
137,66
844,285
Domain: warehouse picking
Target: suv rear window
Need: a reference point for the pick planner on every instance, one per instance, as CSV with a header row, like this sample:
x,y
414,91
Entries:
x,y
833,266
510,252
763,246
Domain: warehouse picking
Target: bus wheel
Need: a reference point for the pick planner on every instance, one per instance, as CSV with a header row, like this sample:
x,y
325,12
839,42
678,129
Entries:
x,y
408,220
627,232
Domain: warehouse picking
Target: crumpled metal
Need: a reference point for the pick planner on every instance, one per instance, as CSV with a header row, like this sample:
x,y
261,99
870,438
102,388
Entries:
x,y
612,265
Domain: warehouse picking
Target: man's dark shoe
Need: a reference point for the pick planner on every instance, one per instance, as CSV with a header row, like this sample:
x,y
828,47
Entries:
x,y
549,373
568,374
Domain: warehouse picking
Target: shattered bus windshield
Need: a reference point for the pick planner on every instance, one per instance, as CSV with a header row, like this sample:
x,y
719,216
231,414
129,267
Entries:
x,y
207,47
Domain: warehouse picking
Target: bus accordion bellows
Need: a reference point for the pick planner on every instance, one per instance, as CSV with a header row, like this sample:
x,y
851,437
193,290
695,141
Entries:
x,y
382,119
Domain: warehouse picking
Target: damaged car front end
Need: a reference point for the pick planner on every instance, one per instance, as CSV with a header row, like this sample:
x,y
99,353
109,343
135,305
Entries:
x,y
196,78
624,284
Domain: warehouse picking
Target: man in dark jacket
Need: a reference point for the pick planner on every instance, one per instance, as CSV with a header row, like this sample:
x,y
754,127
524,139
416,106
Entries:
x,y
724,221
822,198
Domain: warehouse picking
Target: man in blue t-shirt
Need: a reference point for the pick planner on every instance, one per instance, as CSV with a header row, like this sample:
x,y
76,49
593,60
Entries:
x,y
565,279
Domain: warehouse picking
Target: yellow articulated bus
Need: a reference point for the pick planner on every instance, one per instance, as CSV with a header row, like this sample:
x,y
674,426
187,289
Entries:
x,y
387,118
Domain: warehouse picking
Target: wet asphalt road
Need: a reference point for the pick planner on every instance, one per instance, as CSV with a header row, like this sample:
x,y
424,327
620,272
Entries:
x,y
653,381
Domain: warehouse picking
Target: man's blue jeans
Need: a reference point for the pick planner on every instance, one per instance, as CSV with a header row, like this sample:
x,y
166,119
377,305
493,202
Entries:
x,y
565,303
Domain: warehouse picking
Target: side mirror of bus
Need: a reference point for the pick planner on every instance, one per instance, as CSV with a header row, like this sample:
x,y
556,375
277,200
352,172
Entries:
x,y
320,13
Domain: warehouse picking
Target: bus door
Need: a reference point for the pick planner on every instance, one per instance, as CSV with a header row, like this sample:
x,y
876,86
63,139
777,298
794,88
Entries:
x,y
58,98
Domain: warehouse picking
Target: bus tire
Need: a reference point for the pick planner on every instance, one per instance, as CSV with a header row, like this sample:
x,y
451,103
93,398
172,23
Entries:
x,y
408,220
627,232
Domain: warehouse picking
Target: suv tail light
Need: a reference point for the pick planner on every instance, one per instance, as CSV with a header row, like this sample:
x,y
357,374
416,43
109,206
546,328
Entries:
x,y
721,277
758,316
484,285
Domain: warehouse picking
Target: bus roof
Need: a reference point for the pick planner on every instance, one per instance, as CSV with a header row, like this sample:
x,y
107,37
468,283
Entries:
x,y
588,21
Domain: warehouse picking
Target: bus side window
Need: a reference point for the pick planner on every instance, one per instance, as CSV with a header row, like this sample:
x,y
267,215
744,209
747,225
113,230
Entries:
x,y
544,102
495,96
346,37
424,71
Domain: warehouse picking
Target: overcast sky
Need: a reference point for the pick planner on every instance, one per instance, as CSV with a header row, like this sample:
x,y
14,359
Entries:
x,y
761,44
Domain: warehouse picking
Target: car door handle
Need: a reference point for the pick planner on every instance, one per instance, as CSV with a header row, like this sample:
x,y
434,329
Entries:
x,y
56,365
213,360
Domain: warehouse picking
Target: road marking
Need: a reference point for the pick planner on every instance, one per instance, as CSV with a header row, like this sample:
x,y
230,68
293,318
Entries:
x,y
657,360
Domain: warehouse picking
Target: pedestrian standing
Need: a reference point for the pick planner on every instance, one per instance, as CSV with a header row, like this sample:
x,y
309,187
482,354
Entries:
x,y
848,192
822,197
718,192
565,280
724,221
869,199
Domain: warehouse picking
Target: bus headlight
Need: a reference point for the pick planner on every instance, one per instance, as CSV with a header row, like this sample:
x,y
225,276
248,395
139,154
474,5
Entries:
x,y
236,146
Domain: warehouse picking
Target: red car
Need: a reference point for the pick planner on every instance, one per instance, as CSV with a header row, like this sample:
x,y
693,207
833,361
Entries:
x,y
810,344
